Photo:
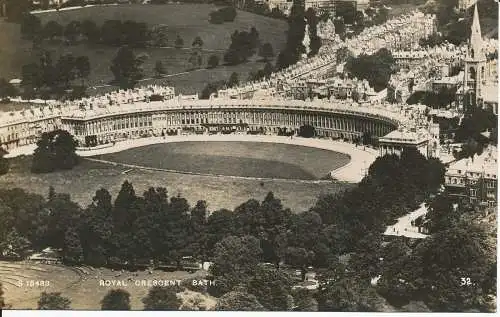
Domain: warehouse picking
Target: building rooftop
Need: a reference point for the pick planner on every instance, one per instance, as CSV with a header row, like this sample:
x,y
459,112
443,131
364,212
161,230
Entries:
x,y
405,136
486,164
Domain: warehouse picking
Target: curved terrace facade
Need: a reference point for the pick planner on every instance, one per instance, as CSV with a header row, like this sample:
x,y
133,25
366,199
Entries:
x,y
136,119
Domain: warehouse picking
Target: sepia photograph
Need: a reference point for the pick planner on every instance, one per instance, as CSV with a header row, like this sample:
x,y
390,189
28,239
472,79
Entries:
x,y
249,155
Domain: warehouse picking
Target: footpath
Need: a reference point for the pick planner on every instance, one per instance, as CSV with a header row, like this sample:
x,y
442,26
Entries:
x,y
404,228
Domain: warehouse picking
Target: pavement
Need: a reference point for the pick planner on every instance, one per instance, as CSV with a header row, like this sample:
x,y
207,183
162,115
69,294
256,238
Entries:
x,y
404,228
353,172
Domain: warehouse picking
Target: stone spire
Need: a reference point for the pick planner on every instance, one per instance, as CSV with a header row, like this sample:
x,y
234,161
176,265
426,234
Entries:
x,y
476,39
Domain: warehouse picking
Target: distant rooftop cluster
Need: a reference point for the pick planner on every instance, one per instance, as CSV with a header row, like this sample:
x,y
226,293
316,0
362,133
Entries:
x,y
405,30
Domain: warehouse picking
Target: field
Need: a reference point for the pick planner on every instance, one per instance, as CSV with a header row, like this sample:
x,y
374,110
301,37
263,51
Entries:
x,y
219,192
251,159
186,20
80,284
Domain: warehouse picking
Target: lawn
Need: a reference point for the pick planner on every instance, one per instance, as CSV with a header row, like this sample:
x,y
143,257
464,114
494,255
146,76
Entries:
x,y
188,21
219,192
81,285
252,159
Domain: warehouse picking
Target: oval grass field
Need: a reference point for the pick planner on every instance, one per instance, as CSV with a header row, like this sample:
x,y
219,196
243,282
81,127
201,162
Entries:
x,y
247,159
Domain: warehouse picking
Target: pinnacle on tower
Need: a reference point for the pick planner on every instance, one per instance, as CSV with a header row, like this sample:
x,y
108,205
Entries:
x,y
476,27
476,39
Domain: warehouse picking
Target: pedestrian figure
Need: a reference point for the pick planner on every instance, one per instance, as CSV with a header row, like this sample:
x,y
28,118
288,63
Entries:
x,y
393,229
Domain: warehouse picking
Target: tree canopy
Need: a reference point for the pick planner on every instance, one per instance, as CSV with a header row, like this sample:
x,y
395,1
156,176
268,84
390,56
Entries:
x,y
376,68
116,299
53,301
55,151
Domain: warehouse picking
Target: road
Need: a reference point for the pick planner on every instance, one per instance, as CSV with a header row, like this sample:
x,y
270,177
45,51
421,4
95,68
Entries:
x,y
404,228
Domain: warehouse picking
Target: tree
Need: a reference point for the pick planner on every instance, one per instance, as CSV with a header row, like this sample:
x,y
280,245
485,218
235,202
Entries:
x,y
266,51
198,42
307,131
15,244
135,34
161,298
116,299
213,61
53,29
463,251
295,35
82,65
315,41
55,150
272,288
195,59
340,27
159,35
300,258
126,68
65,71
339,292
239,300
179,42
72,251
376,68
304,301
111,32
53,301
16,9
243,45
233,80
7,89
90,30
31,26
4,163
211,88
235,260
73,31
198,230
159,69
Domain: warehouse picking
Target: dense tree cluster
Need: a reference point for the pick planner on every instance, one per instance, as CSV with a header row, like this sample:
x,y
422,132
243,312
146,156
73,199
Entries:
x,y
438,271
263,9
454,25
441,99
46,77
470,131
307,131
126,68
376,68
295,35
53,301
243,45
7,89
252,246
55,151
227,14
116,299
16,9
112,32
161,298
265,72
312,21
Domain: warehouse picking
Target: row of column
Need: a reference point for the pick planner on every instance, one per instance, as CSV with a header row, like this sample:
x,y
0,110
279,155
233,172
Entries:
x,y
174,120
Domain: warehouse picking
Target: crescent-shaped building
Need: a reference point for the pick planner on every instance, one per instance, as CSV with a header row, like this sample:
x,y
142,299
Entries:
x,y
92,125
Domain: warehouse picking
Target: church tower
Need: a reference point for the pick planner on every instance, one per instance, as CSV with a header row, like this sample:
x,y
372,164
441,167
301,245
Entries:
x,y
474,74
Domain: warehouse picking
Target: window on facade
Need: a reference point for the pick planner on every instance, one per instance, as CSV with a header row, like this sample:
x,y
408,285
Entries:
x,y
472,73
